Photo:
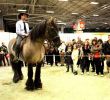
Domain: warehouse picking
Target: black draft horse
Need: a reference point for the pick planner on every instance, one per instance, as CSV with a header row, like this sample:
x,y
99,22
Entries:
x,y
33,52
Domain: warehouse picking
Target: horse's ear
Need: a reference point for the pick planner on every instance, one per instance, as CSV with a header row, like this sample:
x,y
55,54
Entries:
x,y
51,20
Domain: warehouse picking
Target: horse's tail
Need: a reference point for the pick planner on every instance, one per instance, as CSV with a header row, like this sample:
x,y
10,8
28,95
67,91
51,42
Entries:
x,y
10,48
15,63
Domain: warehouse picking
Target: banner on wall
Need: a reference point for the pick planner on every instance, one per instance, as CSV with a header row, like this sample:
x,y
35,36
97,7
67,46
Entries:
x,y
79,25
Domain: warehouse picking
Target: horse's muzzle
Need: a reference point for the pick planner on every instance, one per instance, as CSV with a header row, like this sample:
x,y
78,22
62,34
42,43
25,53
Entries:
x,y
57,41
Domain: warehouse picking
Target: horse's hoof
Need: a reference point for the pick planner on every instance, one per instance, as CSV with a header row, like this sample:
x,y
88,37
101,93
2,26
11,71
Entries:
x,y
38,86
29,85
29,88
21,77
15,79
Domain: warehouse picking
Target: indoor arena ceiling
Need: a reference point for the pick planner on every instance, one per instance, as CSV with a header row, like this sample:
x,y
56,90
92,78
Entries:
x,y
96,13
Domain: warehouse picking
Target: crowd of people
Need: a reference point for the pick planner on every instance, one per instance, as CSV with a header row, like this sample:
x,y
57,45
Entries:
x,y
82,54
74,54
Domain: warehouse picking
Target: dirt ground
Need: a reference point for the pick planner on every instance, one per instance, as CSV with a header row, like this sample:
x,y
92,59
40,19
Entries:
x,y
57,85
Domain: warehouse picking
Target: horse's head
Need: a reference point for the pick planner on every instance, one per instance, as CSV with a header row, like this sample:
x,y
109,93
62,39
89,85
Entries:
x,y
52,32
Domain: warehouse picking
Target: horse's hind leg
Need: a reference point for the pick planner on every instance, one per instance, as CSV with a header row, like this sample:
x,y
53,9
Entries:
x,y
19,65
37,82
29,83
15,70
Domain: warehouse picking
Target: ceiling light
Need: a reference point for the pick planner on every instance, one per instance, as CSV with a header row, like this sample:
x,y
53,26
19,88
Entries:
x,y
61,23
97,28
105,23
62,0
95,15
50,12
75,13
22,10
94,3
39,20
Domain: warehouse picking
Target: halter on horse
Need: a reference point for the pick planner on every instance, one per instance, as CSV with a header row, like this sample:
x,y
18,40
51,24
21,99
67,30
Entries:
x,y
33,52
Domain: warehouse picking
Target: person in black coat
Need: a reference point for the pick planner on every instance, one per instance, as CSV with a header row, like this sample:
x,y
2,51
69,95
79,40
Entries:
x,y
50,55
57,56
85,57
68,59
106,51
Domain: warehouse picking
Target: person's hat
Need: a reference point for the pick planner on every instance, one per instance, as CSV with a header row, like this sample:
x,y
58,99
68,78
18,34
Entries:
x,y
21,14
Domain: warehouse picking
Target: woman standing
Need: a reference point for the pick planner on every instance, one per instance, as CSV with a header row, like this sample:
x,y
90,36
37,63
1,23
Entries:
x,y
96,51
85,57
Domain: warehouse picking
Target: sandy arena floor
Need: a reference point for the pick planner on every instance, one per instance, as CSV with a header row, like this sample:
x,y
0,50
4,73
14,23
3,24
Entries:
x,y
57,85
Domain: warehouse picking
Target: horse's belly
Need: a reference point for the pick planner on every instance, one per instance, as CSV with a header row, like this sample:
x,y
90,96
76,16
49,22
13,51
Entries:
x,y
34,57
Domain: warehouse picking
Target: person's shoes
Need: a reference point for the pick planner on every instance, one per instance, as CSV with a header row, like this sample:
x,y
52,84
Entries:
x,y
87,73
82,73
95,74
101,75
67,71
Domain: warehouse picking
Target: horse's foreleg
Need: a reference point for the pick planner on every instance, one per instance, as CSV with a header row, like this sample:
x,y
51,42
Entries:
x,y
29,83
37,82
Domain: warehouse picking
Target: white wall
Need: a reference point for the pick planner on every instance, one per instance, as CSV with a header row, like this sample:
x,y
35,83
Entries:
x,y
6,36
69,36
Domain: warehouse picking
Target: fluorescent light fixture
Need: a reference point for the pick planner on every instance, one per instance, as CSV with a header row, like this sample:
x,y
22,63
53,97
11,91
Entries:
x,y
0,11
94,3
97,28
107,28
105,23
74,13
50,12
61,23
22,10
95,15
62,0
39,20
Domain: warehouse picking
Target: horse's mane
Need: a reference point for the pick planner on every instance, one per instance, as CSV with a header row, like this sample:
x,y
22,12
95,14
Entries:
x,y
38,31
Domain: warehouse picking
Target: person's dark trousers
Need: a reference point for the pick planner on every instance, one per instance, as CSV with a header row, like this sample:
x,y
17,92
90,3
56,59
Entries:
x,y
87,63
1,59
4,63
97,63
102,66
92,65
69,65
82,64
56,63
51,60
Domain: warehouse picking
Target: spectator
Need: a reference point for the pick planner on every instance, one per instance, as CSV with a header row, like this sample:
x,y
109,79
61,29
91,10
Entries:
x,y
5,52
75,56
68,59
85,57
96,51
57,56
106,51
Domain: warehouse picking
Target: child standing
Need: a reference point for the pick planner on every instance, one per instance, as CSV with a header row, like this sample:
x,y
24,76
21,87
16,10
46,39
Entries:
x,y
68,59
